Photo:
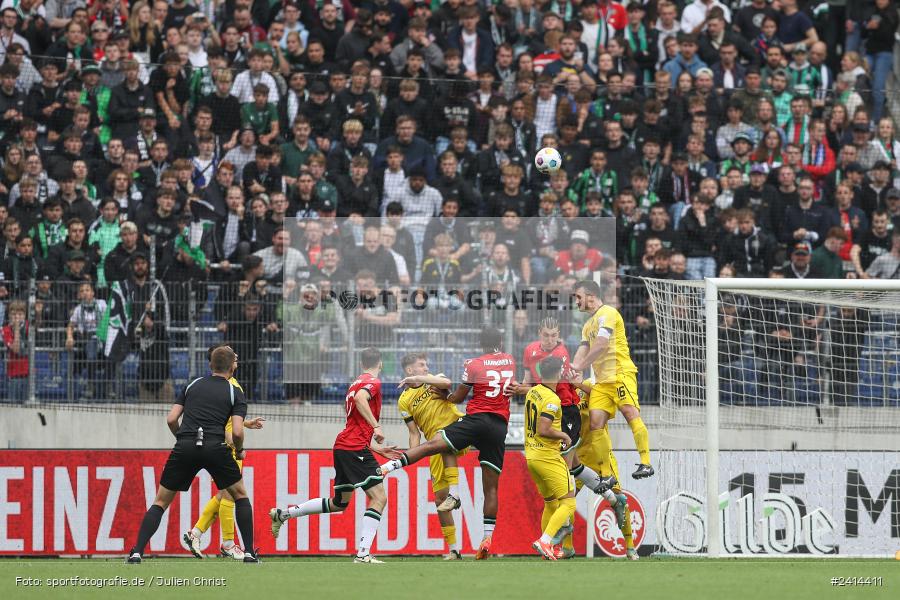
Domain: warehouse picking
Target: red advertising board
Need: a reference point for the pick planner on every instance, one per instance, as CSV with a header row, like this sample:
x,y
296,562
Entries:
x,y
91,502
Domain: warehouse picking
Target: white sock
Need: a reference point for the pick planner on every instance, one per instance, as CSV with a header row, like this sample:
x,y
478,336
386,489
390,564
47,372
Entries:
x,y
391,465
611,497
545,538
454,490
314,506
489,525
587,476
227,544
371,519
456,545
196,532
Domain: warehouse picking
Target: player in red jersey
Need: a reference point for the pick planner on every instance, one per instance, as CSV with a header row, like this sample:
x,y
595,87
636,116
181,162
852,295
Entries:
x,y
354,464
549,344
490,377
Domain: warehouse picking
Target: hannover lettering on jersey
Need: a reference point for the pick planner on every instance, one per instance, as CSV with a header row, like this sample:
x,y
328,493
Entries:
x,y
489,376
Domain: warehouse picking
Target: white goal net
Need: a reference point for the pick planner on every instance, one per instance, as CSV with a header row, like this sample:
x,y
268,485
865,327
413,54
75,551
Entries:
x,y
789,392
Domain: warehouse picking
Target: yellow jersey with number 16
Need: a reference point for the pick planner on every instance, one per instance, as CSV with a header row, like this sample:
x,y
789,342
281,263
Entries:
x,y
607,323
542,402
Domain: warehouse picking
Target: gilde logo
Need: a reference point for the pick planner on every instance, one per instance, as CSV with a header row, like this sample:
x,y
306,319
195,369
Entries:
x,y
606,532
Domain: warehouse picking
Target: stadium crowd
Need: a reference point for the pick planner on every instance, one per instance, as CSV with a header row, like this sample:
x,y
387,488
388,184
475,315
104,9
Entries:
x,y
218,145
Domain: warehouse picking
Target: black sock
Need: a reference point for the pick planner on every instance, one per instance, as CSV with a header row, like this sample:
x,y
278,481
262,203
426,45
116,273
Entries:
x,y
243,514
404,460
148,527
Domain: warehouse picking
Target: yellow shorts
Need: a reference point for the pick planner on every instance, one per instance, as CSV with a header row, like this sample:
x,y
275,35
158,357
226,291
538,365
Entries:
x,y
586,456
436,464
610,395
551,477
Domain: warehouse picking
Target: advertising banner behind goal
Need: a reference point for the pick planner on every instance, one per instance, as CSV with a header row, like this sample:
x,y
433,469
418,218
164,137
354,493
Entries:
x,y
776,503
91,502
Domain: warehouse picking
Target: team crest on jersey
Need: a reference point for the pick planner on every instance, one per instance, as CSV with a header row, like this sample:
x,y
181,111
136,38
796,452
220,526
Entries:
x,y
607,534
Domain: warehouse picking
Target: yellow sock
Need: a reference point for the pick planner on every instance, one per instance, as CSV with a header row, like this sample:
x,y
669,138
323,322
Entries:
x,y
569,542
626,531
641,439
601,445
451,475
564,512
449,532
226,519
208,515
550,507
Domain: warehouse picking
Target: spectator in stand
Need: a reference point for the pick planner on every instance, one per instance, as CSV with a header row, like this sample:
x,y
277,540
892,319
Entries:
x,y
81,340
887,266
282,260
871,244
805,221
580,259
415,150
761,198
697,238
15,340
826,262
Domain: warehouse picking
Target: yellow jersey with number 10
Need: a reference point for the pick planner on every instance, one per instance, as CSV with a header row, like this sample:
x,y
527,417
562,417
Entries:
x,y
235,383
606,322
427,409
542,402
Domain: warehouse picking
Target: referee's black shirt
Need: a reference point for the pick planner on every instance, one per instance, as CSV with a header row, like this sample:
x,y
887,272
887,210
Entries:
x,y
208,403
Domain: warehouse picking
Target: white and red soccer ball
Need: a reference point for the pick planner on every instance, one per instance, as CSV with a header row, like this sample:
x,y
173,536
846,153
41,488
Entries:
x,y
547,160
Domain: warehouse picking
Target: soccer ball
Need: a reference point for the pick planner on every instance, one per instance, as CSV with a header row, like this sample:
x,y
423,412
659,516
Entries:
x,y
547,160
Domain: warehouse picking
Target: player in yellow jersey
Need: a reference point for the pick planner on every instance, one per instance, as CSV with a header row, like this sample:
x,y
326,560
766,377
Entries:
x,y
604,348
425,409
586,456
222,504
544,440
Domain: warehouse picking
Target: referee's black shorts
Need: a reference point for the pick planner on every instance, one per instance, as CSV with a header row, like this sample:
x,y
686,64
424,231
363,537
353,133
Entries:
x,y
485,431
187,459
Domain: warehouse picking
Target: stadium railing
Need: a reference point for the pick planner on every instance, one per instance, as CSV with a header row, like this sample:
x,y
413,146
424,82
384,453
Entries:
x,y
80,373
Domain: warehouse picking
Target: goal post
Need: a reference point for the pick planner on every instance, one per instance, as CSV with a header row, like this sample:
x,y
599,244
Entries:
x,y
779,413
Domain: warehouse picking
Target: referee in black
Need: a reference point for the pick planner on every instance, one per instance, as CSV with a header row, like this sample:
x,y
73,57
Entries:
x,y
206,405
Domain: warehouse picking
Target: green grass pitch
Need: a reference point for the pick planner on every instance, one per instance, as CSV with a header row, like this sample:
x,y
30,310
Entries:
x,y
518,578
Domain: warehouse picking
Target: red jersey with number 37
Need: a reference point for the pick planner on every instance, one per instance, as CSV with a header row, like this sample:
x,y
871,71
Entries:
x,y
535,354
358,433
489,376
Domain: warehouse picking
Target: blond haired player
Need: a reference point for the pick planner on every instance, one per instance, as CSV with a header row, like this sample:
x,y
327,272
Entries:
x,y
425,409
544,440
222,504
604,348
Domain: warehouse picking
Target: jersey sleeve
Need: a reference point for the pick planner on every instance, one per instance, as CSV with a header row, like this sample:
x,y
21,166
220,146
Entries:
x,y
470,372
603,328
372,387
549,407
403,406
239,409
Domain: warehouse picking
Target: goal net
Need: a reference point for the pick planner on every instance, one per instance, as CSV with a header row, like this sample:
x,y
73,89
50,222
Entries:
x,y
788,393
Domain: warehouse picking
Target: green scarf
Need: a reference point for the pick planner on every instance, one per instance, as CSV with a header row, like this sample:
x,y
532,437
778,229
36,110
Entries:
x,y
197,254
639,46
